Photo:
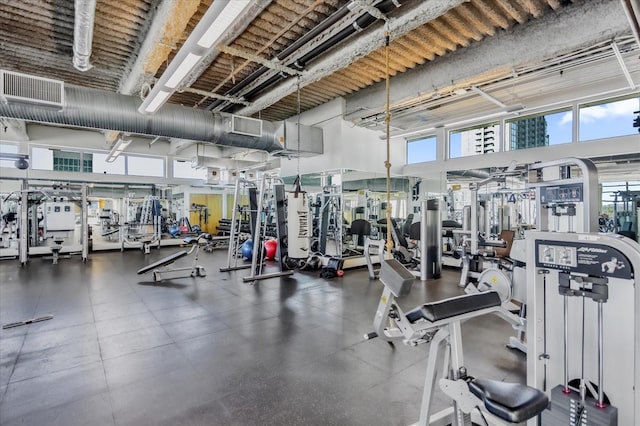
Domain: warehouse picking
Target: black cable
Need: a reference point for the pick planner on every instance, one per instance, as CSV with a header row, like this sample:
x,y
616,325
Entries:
x,y
482,415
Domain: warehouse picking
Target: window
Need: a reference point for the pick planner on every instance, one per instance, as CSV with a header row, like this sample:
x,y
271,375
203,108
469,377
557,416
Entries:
x,y
484,139
41,158
7,148
101,166
66,161
421,150
554,128
182,169
145,166
609,119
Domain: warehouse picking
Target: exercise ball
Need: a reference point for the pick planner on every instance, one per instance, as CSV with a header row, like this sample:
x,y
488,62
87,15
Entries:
x,y
247,249
270,247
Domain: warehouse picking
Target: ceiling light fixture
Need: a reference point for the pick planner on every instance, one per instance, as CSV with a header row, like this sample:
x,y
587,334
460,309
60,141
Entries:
x,y
118,148
219,18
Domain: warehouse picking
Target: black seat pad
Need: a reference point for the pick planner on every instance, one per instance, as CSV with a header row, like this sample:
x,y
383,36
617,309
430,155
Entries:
x,y
454,306
512,402
162,262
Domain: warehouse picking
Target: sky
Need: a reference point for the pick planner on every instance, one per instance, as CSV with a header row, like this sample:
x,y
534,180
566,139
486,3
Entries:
x,y
596,122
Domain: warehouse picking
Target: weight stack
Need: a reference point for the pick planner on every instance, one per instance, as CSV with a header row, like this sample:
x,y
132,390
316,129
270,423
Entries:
x,y
567,409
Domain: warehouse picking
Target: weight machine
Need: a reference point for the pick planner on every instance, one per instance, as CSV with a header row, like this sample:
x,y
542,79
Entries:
x,y
47,212
246,191
565,201
271,197
584,308
439,323
142,224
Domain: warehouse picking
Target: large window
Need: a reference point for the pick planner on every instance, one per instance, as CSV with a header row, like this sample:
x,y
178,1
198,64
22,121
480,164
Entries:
x,y
8,148
100,165
145,166
607,120
183,169
484,139
421,150
553,128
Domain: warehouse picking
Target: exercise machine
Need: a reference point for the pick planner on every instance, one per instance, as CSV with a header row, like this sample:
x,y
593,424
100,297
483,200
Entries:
x,y
566,200
271,197
245,201
439,323
162,271
583,309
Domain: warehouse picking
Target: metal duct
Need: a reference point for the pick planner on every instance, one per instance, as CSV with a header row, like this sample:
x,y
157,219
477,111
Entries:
x,y
480,174
85,13
97,109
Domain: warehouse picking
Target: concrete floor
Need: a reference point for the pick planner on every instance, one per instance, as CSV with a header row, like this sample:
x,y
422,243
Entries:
x,y
122,350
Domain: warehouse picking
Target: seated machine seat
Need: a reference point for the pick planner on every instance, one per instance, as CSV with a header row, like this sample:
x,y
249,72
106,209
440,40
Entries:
x,y
163,262
512,402
454,306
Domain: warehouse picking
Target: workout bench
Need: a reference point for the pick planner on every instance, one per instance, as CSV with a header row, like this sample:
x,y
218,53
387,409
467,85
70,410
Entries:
x,y
167,273
439,323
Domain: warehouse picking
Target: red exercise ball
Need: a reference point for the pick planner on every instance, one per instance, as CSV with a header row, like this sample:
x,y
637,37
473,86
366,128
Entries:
x,y
270,247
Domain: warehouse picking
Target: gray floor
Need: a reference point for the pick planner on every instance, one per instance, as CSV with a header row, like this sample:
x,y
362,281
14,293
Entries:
x,y
124,351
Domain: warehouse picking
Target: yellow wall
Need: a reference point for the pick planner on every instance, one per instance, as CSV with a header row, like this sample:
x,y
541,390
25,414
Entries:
x,y
214,203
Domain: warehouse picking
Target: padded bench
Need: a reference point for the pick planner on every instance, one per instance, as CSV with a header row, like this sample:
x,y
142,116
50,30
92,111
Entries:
x,y
454,306
163,262
512,402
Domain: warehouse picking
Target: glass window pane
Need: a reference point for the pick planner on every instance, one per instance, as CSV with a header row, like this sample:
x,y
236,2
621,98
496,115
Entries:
x,y
421,150
8,148
41,158
101,166
183,170
145,166
609,119
477,140
554,128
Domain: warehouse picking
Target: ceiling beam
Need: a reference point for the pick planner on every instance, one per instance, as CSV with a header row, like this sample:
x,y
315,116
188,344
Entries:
x,y
167,28
581,26
347,53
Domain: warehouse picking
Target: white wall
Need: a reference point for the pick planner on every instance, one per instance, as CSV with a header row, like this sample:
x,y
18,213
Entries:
x,y
345,146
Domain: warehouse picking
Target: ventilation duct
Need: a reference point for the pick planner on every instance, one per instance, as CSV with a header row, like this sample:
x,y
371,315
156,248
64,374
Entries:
x,y
85,13
23,88
97,109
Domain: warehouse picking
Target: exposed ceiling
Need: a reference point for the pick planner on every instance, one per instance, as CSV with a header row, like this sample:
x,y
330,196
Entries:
x,y
135,40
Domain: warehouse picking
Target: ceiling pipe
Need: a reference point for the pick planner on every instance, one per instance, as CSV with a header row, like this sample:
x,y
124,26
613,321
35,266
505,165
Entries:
x,y
102,110
85,13
360,23
480,174
308,36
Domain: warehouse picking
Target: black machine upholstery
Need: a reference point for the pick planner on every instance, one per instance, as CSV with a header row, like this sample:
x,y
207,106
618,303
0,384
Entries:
x,y
360,227
163,262
512,402
454,306
414,231
407,224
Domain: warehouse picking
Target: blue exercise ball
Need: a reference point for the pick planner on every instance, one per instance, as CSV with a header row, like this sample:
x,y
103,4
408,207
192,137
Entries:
x,y
247,249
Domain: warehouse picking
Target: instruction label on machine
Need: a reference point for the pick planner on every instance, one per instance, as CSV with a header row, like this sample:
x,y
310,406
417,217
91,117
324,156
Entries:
x,y
592,259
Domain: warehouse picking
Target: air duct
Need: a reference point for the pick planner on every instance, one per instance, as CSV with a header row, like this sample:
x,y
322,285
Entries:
x,y
97,109
85,13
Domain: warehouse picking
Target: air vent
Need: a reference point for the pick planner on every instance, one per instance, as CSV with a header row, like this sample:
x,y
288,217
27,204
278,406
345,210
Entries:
x,y
22,88
246,126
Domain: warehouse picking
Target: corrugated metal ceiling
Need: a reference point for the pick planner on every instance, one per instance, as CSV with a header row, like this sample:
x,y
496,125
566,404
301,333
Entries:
x,y
37,38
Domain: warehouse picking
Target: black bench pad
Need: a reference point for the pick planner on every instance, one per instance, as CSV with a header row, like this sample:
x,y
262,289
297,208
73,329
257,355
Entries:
x,y
162,262
512,402
454,306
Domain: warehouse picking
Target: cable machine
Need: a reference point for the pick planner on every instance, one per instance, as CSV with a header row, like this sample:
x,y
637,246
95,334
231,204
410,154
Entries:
x,y
246,191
